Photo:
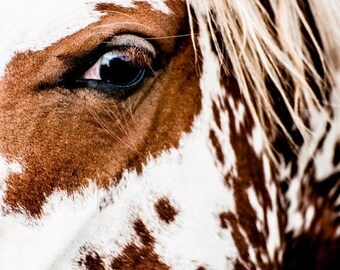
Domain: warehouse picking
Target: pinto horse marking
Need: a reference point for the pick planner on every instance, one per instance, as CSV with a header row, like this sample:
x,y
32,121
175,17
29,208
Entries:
x,y
178,174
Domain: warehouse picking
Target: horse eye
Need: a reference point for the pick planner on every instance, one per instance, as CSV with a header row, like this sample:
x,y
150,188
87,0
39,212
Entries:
x,y
117,69
118,72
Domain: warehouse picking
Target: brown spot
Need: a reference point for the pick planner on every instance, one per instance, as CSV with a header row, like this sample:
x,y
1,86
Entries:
x,y
239,266
229,179
165,210
284,186
239,240
247,217
92,261
217,116
139,258
217,146
224,220
143,233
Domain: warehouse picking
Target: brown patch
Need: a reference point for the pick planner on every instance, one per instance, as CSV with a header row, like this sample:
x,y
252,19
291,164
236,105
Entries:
x,y
92,261
239,240
308,251
136,258
165,210
217,116
143,233
139,258
65,137
217,146
223,220
284,186
239,266
229,179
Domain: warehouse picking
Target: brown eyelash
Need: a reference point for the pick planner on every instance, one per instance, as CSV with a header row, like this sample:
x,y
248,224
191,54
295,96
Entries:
x,y
139,57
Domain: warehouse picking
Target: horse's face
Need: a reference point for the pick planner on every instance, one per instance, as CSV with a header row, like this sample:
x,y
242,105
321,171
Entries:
x,y
124,145
66,133
113,123
106,100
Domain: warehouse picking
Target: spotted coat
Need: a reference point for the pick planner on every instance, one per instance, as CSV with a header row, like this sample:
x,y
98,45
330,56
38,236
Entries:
x,y
174,176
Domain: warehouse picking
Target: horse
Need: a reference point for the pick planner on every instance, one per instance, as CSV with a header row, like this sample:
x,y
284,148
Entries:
x,y
169,134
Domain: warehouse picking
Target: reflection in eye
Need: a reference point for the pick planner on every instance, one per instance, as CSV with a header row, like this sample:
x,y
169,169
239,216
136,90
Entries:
x,y
122,70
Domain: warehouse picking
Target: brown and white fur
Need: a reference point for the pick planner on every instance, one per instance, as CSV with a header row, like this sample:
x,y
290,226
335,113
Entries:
x,y
208,165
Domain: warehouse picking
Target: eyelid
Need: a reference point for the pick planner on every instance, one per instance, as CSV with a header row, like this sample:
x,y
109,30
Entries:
x,y
128,40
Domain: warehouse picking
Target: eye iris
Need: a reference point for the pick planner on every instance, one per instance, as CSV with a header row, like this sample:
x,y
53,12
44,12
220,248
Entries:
x,y
119,70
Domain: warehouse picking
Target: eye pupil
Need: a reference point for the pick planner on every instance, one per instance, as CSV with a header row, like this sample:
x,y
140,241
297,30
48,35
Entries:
x,y
119,70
